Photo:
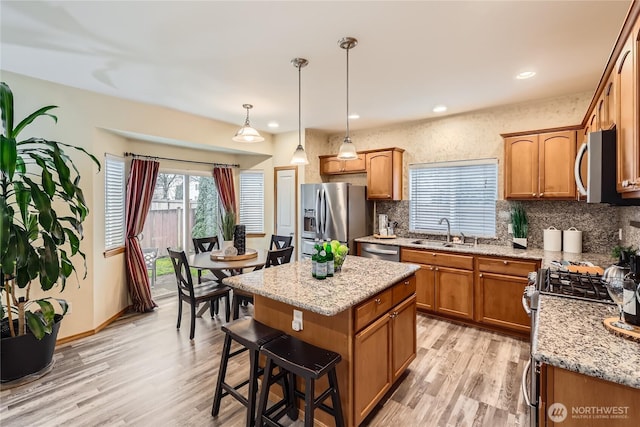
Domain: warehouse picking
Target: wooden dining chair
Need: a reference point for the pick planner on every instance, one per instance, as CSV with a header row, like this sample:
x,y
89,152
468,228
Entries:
x,y
279,242
274,257
208,292
204,244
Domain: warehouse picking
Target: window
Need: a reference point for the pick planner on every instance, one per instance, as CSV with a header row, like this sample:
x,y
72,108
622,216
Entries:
x,y
252,201
464,192
114,218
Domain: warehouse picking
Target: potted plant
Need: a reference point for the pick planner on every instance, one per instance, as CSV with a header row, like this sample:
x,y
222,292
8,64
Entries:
x,y
42,208
520,225
227,227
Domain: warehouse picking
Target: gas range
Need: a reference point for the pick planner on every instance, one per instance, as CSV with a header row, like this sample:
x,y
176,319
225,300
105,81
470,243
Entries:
x,y
582,286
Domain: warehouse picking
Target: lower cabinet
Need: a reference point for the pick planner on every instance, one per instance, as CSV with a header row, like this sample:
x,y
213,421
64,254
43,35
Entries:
x,y
386,348
454,292
570,399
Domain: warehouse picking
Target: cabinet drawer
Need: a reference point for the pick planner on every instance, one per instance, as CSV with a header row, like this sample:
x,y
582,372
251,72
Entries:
x,y
403,289
442,259
506,266
374,307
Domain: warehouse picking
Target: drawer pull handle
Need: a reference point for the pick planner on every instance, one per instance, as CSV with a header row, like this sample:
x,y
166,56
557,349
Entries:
x,y
433,254
406,283
480,275
431,268
378,301
505,262
437,268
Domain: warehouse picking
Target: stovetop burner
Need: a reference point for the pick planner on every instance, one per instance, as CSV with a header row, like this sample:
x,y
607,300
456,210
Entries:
x,y
574,285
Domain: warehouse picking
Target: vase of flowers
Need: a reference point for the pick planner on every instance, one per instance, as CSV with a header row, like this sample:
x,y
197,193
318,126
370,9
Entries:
x,y
227,227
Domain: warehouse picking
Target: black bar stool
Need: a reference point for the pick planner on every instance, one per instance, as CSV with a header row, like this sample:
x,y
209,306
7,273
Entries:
x,y
251,335
298,358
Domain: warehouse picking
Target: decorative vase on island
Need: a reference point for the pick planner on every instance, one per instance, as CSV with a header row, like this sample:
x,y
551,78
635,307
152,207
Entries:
x,y
520,243
240,238
227,248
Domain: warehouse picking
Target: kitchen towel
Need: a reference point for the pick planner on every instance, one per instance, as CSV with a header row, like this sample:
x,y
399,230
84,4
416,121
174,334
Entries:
x,y
572,240
552,239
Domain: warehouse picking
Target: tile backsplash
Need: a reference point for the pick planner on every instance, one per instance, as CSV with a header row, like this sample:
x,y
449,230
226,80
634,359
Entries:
x,y
599,223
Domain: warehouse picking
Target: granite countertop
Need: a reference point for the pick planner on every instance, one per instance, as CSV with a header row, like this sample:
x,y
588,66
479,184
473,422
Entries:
x,y
293,284
570,335
545,257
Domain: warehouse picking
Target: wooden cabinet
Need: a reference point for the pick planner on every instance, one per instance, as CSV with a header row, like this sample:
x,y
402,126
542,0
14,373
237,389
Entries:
x,y
499,289
332,165
444,283
581,396
386,347
540,166
627,97
384,174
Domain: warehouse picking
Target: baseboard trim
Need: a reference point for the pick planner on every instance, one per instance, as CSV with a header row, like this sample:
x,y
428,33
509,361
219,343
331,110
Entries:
x,y
93,331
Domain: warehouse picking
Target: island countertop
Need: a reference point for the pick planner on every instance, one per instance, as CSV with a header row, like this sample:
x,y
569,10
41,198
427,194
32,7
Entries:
x,y
293,284
570,335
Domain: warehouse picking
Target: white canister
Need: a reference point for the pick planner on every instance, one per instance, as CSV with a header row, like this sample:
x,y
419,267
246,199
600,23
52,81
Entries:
x,y
572,240
552,239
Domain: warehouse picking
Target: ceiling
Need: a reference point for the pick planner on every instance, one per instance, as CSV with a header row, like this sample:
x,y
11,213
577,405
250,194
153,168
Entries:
x,y
210,57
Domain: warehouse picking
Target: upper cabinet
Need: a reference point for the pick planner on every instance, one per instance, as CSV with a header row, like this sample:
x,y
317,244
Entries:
x,y
332,165
540,165
384,174
627,84
383,168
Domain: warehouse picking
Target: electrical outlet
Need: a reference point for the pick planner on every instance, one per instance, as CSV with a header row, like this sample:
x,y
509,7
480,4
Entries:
x,y
620,234
510,228
297,324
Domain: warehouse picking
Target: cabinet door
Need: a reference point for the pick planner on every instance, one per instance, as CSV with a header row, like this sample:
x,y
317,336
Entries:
x,y
372,368
521,167
454,292
609,103
557,156
425,287
403,333
331,165
626,120
380,175
355,165
499,301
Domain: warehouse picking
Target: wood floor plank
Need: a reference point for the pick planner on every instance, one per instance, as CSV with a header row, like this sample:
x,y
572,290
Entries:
x,y
141,371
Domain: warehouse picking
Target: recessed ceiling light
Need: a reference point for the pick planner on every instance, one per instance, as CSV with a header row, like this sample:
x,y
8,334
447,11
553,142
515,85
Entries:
x,y
273,125
354,116
525,75
439,108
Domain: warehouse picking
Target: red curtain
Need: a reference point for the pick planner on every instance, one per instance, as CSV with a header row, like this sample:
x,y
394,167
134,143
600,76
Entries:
x,y
224,182
142,182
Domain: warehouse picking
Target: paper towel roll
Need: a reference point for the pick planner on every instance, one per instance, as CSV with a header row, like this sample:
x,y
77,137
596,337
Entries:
x,y
572,240
552,239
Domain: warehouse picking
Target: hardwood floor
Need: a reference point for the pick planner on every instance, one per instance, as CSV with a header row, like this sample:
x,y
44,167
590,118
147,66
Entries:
x,y
141,371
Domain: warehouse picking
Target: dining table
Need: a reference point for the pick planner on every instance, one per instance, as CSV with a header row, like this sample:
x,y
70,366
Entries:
x,y
222,269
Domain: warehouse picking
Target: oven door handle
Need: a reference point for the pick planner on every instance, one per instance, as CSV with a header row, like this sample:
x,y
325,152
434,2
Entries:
x,y
526,307
525,393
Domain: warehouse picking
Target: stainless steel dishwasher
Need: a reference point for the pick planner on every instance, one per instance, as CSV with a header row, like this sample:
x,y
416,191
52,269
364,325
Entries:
x,y
378,251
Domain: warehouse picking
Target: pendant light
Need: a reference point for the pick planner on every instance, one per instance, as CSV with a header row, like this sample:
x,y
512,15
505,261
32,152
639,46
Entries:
x,y
246,132
299,156
347,149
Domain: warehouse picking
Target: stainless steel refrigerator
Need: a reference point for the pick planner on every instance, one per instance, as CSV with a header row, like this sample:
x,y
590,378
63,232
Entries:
x,y
337,211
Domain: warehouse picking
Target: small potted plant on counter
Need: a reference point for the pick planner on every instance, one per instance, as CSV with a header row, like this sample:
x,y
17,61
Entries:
x,y
227,228
520,225
42,208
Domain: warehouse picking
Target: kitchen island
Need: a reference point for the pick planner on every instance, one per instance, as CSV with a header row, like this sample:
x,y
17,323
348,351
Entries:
x,y
366,313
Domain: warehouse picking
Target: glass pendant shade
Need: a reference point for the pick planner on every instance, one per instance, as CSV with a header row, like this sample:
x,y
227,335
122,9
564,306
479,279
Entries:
x,y
347,150
246,133
299,157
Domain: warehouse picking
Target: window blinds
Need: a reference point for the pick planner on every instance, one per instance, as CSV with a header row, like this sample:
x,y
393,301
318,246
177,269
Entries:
x,y
464,192
252,200
114,221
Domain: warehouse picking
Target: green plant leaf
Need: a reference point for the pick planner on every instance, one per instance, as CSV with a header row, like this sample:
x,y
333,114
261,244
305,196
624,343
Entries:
x,y
8,156
74,242
66,265
23,198
50,268
31,117
47,310
6,215
6,105
35,324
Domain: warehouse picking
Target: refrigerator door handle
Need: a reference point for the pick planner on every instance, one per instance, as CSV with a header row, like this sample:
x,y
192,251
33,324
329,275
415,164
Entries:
x,y
323,213
317,212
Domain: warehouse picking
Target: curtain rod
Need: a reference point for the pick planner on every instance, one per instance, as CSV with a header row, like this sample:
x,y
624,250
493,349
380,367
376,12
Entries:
x,y
223,165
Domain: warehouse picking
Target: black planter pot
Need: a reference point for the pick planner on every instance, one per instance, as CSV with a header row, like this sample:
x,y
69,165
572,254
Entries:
x,y
26,355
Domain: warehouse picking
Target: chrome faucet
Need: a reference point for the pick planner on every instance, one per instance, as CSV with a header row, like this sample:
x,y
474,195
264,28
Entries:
x,y
448,228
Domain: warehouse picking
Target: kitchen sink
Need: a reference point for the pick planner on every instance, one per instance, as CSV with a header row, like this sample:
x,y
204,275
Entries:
x,y
432,243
